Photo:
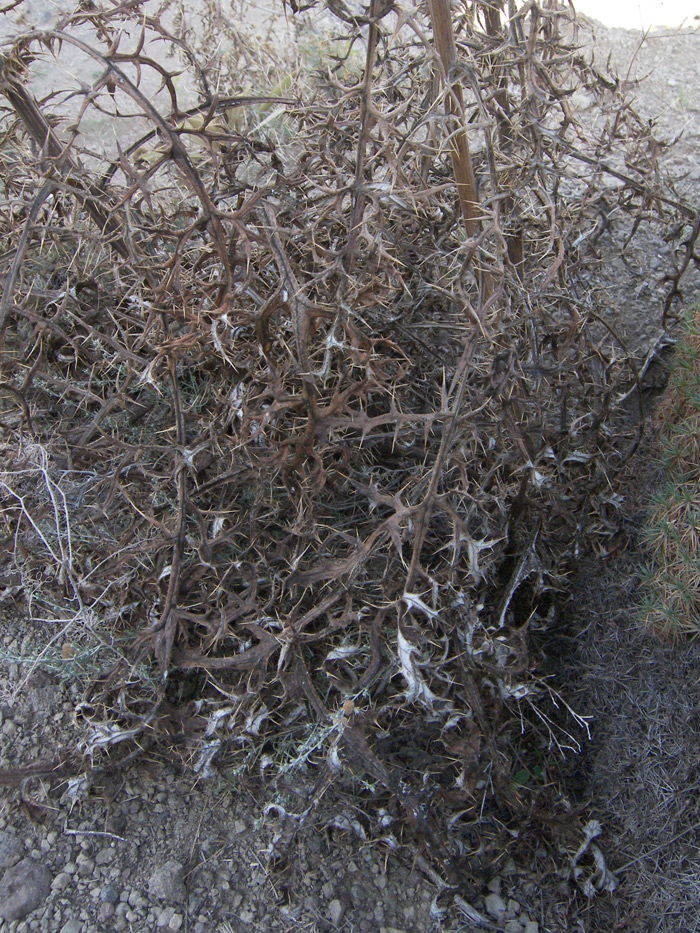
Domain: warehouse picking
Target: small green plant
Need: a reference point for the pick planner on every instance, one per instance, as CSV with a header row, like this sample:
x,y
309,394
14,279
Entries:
x,y
671,581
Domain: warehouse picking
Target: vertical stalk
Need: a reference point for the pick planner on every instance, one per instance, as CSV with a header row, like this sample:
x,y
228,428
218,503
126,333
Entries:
x,y
443,36
494,30
365,126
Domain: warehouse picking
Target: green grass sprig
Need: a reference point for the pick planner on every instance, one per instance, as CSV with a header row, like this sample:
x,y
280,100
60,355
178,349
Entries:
x,y
671,580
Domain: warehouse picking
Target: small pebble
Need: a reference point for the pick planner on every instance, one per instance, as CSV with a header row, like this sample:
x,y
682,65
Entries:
x,y
106,912
495,906
23,888
336,911
531,927
11,850
86,868
72,926
61,881
105,856
166,882
109,894
164,917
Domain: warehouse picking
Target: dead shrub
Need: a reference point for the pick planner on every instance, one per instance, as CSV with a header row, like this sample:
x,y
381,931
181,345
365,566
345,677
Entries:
x,y
320,431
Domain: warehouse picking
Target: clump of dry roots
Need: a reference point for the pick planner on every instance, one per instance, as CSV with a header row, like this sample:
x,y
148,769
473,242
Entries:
x,y
306,404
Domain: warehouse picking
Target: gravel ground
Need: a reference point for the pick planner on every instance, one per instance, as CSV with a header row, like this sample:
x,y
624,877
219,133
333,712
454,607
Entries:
x,y
149,849
144,849
642,14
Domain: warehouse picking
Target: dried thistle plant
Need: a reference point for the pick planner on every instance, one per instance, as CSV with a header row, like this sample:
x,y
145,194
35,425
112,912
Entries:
x,y
333,417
